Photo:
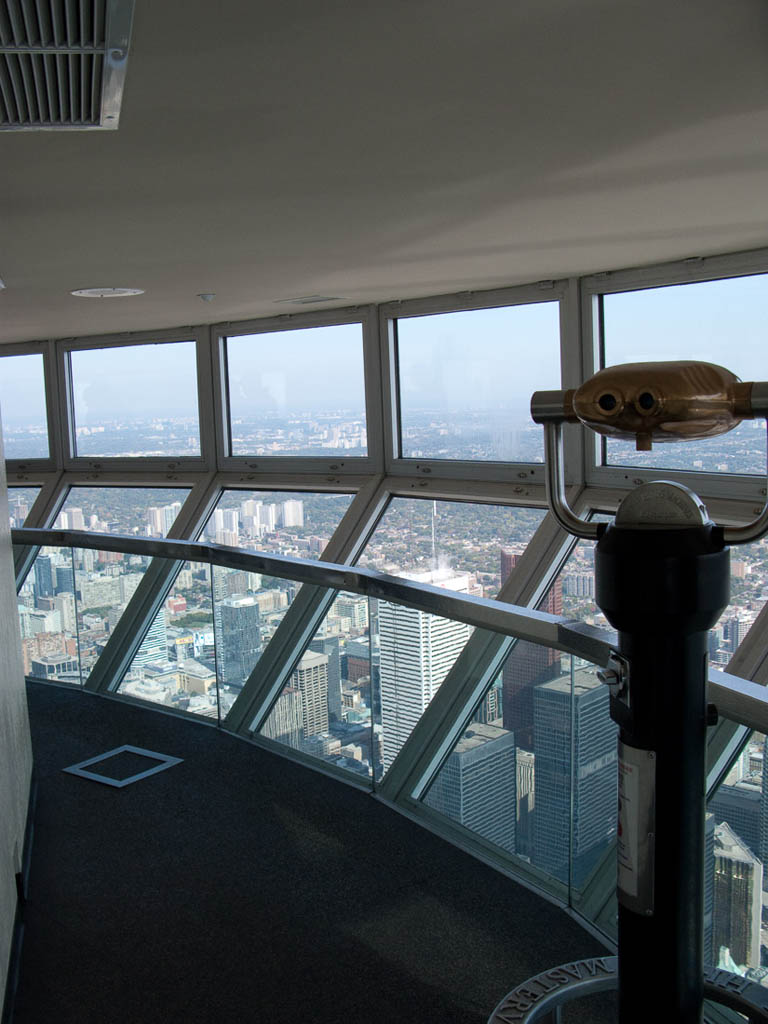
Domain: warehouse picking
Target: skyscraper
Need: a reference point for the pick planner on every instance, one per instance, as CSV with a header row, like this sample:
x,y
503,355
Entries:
x,y
417,650
330,645
154,646
527,665
239,642
581,822
737,899
311,679
476,785
44,586
285,722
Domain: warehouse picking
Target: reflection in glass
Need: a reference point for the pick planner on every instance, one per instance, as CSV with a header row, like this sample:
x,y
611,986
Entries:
x,y
535,770
22,400
146,511
48,618
719,322
136,400
299,392
176,662
453,538
326,708
20,501
466,379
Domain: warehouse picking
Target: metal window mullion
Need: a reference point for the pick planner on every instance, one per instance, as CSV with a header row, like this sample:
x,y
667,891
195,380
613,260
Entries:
x,y
300,622
133,625
64,407
220,396
358,522
571,377
389,382
206,406
196,508
375,415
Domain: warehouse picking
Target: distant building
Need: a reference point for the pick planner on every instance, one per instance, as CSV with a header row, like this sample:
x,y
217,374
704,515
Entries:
x,y
582,822
154,646
416,652
738,885
239,640
476,785
285,722
740,806
330,646
311,680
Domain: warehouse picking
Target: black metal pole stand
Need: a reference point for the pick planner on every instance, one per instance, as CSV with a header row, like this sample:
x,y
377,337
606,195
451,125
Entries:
x,y
662,588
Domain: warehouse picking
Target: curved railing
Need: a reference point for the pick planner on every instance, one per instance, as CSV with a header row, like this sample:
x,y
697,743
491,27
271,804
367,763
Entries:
x,y
439,750
739,700
567,635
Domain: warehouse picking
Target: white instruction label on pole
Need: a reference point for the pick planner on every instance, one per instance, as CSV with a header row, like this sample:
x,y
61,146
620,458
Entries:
x,y
636,828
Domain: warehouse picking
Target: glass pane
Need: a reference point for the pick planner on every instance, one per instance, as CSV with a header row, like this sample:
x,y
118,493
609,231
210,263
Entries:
x,y
298,392
714,321
22,405
48,618
148,511
531,754
449,539
466,381
20,501
325,709
416,652
176,662
105,581
285,522
248,608
736,847
749,592
136,400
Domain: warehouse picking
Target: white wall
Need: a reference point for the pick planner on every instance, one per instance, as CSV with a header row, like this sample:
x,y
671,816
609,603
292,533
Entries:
x,y
15,747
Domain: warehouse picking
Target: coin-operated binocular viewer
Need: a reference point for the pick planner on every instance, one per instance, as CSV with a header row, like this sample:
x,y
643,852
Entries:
x,y
662,581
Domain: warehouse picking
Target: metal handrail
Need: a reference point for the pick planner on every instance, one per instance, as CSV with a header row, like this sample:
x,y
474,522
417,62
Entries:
x,y
568,635
737,699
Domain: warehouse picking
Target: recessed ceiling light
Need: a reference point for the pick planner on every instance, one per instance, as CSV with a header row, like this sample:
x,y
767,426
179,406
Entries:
x,y
106,293
307,300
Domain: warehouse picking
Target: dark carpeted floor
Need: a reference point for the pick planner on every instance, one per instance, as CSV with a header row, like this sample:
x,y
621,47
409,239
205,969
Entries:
x,y
238,886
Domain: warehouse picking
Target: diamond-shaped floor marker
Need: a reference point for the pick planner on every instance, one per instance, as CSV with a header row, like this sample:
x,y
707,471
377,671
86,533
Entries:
x,y
163,761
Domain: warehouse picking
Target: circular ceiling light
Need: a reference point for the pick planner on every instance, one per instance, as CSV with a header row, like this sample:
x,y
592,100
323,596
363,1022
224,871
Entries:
x,y
106,293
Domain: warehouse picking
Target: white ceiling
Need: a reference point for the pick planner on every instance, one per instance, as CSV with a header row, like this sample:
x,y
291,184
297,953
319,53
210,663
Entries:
x,y
371,151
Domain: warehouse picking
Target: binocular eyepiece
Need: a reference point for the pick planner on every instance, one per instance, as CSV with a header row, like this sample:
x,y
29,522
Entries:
x,y
662,402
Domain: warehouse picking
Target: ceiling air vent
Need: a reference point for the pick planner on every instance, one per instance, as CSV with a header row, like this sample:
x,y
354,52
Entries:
x,y
62,63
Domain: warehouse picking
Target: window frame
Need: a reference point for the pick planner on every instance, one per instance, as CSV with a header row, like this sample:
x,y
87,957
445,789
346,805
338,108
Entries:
x,y
696,270
71,461
560,291
292,464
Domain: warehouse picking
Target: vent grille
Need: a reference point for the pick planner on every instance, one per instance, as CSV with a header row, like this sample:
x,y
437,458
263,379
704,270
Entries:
x,y
62,63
